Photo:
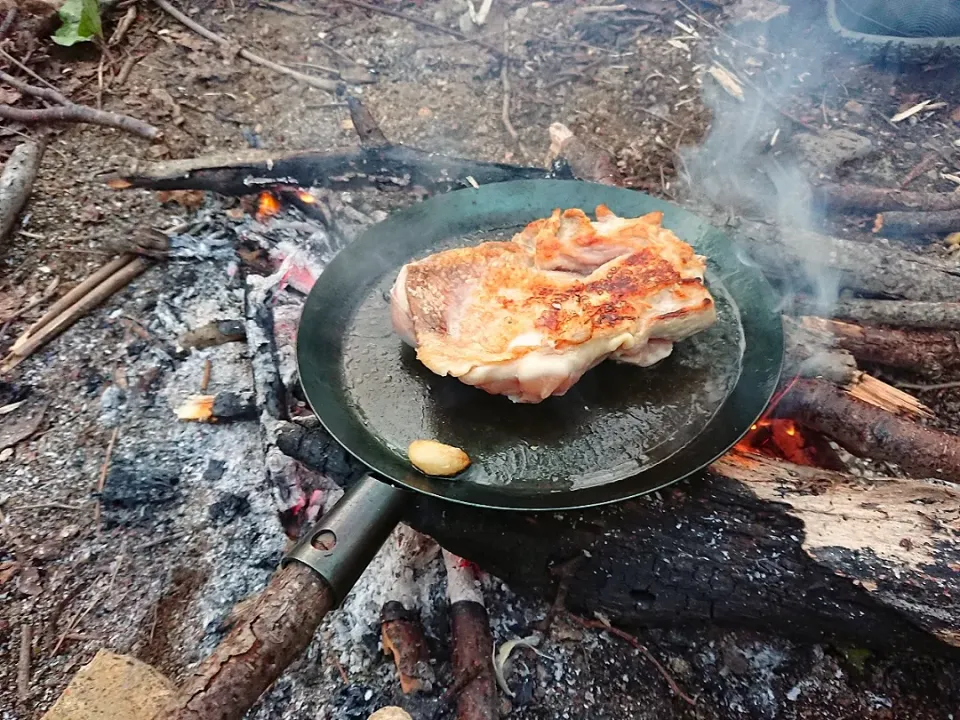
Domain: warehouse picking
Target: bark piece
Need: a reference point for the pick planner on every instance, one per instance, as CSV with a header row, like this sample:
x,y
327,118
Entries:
x,y
246,172
870,432
112,687
273,631
931,352
472,646
16,181
757,544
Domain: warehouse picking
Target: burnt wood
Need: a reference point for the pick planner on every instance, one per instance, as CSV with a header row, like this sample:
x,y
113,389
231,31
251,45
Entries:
x,y
896,313
378,165
796,551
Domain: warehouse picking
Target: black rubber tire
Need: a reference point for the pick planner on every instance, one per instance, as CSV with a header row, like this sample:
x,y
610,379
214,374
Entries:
x,y
888,49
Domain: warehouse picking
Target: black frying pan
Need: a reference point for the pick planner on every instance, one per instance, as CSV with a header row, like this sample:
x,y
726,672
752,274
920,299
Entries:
x,y
620,432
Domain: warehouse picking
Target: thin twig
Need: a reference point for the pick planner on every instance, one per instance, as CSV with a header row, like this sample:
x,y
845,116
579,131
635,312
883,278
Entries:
x,y
599,625
505,79
76,621
424,23
51,506
934,386
10,58
102,479
100,83
660,117
23,667
71,112
320,83
205,380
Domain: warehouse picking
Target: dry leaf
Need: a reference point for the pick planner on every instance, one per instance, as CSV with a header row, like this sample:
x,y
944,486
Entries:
x,y
9,97
190,199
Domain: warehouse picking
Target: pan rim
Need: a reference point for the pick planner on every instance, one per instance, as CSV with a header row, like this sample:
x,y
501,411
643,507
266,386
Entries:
x,y
612,491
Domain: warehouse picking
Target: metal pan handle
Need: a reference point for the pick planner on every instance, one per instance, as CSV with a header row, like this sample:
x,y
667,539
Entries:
x,y
344,541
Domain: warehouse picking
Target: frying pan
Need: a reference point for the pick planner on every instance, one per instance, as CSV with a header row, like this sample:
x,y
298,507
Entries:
x,y
620,432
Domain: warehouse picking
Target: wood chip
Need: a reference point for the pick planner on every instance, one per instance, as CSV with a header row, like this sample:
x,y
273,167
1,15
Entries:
x,y
919,107
727,81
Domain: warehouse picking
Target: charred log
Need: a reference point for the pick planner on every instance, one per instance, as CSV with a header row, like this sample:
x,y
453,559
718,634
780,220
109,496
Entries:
x,y
245,173
867,431
788,549
931,352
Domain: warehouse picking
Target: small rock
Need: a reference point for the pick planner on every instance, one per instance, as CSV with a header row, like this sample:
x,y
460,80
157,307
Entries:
x,y
793,693
425,112
735,662
214,470
827,151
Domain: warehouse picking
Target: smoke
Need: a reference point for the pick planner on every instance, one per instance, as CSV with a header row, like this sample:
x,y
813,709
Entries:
x,y
756,161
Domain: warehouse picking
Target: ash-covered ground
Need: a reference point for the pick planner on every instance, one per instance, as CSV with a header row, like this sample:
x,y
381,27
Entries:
x,y
193,517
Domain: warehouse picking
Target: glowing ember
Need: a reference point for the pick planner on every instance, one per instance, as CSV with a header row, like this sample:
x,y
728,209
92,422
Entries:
x,y
306,197
267,206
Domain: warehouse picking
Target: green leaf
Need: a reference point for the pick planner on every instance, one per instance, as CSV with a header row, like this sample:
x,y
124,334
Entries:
x,y
81,22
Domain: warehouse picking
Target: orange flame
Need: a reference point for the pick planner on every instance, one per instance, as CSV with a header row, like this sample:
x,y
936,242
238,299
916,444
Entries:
x,y
267,206
306,197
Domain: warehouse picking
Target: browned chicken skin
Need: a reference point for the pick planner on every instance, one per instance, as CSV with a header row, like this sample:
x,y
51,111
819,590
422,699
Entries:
x,y
527,318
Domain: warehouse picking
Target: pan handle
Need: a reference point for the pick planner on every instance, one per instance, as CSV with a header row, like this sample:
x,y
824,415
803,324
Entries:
x,y
344,541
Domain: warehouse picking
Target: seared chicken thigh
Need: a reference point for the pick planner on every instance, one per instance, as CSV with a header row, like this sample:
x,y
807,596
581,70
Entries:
x,y
528,317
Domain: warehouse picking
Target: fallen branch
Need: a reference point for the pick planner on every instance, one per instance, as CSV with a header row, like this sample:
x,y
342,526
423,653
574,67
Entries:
x,y
8,20
869,432
70,112
247,172
898,313
19,172
931,352
900,223
366,127
852,197
424,23
623,635
319,83
22,350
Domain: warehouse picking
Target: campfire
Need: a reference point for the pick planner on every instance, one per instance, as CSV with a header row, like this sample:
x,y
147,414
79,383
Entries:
x,y
833,519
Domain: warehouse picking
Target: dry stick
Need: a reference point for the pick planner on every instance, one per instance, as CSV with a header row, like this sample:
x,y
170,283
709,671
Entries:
x,y
100,293
16,181
927,162
505,78
424,23
23,667
71,297
10,58
623,635
205,380
931,386
123,26
102,479
76,621
71,112
320,83
125,70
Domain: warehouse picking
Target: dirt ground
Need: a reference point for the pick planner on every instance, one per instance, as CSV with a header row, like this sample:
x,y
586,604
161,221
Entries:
x,y
632,81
